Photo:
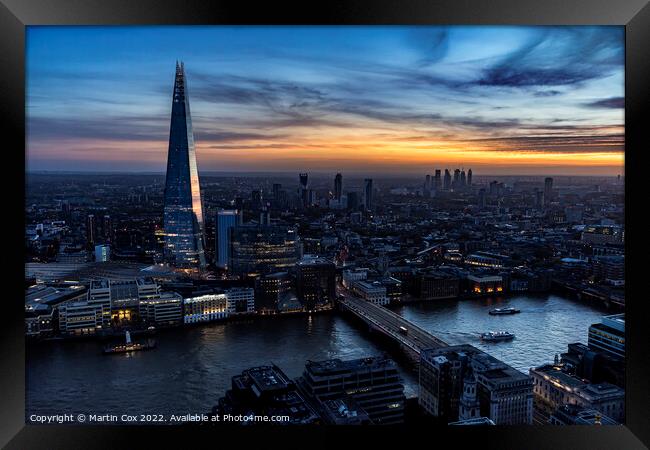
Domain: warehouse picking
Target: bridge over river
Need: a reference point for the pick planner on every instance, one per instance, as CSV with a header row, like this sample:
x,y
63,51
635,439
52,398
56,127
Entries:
x,y
406,333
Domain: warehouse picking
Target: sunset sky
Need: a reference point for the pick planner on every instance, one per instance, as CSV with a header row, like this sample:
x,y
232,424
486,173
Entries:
x,y
501,100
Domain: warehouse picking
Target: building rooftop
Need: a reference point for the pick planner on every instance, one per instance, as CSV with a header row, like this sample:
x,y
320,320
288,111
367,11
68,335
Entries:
x,y
337,365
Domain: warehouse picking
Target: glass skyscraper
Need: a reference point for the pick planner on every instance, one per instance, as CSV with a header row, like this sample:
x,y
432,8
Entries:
x,y
183,215
226,219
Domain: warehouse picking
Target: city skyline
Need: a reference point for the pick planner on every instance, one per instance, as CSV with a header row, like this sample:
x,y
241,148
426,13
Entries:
x,y
502,100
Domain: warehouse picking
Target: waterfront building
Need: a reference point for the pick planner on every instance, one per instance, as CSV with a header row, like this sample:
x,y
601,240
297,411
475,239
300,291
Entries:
x,y
226,219
554,388
373,292
485,284
266,391
608,336
205,308
80,318
393,289
504,394
374,383
315,282
338,186
368,194
593,365
42,303
102,253
610,268
270,291
240,301
163,311
430,284
259,249
350,276
183,211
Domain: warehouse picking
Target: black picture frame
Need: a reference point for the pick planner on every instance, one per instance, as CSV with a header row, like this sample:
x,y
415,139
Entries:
x,y
16,14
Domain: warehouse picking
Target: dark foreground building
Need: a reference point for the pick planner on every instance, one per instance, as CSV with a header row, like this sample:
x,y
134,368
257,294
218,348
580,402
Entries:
x,y
461,382
264,392
183,213
373,383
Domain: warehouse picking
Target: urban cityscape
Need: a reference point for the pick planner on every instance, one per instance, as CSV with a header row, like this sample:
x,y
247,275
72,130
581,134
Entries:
x,y
451,294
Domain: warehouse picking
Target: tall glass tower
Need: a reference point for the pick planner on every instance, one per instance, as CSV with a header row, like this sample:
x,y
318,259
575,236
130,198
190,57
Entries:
x,y
183,215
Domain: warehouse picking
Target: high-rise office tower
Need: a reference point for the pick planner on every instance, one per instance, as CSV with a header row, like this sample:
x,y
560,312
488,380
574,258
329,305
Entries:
x,y
91,230
437,181
107,228
463,179
226,219
367,191
427,183
456,181
548,190
446,185
469,177
338,186
183,214
276,191
304,178
303,191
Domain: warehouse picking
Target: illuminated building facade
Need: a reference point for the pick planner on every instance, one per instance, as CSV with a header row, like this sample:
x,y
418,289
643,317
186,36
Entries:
x,y
183,213
485,284
205,308
608,336
555,388
260,249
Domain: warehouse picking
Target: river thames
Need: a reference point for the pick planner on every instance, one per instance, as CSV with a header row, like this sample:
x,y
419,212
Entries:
x,y
192,367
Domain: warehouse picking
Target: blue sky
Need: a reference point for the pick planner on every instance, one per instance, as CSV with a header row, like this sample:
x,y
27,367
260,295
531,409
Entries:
x,y
503,99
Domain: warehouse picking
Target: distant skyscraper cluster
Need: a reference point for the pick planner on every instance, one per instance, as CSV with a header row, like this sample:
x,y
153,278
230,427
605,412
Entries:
x,y
434,183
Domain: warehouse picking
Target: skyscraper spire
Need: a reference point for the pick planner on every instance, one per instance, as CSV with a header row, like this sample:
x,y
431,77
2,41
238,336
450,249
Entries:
x,y
183,213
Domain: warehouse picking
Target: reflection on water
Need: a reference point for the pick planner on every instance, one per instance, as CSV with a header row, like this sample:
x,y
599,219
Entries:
x,y
192,368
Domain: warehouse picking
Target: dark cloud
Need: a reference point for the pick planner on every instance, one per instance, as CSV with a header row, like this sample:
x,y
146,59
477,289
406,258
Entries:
x,y
558,57
564,144
612,102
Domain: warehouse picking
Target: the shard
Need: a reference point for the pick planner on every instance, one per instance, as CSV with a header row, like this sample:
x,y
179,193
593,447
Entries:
x,y
183,215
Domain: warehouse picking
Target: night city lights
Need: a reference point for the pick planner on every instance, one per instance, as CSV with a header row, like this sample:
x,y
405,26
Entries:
x,y
325,225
